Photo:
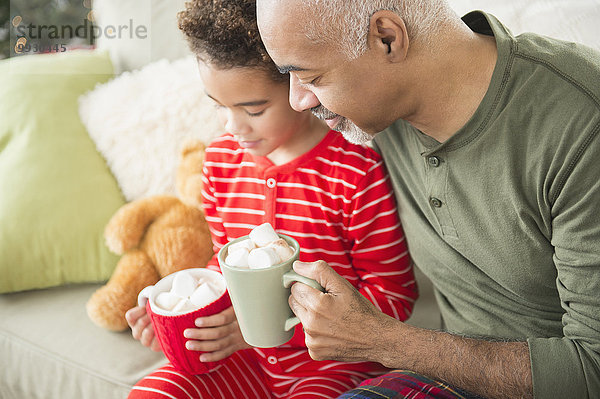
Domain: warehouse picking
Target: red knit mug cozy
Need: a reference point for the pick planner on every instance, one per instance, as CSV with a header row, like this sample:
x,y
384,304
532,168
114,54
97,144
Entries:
x,y
169,329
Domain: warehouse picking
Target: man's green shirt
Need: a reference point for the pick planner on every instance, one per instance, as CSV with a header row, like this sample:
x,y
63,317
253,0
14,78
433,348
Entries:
x,y
504,217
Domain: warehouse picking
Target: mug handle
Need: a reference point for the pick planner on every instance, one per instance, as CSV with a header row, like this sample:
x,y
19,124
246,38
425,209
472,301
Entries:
x,y
291,277
144,295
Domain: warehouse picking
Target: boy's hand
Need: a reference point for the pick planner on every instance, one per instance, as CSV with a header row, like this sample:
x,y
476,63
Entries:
x,y
219,336
141,327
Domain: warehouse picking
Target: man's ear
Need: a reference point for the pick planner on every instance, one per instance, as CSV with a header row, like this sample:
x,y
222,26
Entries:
x,y
388,35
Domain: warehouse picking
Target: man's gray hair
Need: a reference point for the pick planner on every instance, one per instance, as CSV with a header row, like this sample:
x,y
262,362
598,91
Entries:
x,y
346,22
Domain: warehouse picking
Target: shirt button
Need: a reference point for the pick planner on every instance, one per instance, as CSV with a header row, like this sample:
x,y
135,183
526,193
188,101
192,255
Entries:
x,y
271,182
436,203
272,359
434,161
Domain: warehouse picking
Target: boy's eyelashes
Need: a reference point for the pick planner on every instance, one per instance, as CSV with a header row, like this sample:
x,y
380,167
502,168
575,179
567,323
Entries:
x,y
249,113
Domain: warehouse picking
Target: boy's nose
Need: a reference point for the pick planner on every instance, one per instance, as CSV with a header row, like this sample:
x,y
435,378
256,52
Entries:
x,y
301,99
235,125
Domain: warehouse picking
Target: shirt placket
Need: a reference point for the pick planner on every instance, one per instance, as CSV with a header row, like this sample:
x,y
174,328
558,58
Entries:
x,y
436,167
270,197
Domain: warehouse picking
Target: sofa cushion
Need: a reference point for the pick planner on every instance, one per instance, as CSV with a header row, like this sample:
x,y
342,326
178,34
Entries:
x,y
57,193
139,121
49,349
575,21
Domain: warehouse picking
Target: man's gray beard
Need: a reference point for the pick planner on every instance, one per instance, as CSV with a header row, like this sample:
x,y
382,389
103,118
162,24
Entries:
x,y
349,130
353,133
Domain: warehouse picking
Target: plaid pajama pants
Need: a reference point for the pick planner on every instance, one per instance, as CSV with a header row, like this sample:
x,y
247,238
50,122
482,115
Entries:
x,y
403,384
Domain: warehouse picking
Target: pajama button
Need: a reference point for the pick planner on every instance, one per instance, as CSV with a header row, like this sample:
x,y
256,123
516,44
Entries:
x,y
272,359
271,182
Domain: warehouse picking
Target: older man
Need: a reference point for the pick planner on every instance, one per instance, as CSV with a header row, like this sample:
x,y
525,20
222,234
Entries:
x,y
492,144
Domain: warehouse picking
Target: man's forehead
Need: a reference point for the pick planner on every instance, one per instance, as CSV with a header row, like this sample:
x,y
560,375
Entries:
x,y
283,16
284,37
273,10
263,6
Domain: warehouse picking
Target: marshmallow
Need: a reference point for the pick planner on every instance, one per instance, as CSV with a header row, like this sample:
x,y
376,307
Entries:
x,y
237,258
263,235
167,300
283,250
247,244
205,294
202,292
261,258
183,306
183,285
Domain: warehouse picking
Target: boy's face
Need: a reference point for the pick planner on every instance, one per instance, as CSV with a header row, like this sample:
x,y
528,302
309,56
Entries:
x,y
254,108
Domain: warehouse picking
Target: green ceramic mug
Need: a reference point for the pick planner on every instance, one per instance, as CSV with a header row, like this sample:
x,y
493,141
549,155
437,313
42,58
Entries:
x,y
260,297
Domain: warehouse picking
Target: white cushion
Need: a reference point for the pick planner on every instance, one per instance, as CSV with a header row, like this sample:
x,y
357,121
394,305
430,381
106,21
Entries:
x,y
49,349
140,120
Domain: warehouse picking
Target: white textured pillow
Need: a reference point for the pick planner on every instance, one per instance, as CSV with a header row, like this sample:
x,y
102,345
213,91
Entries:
x,y
140,120
571,20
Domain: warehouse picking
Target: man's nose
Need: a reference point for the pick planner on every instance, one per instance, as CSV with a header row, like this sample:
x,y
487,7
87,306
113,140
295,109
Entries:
x,y
300,98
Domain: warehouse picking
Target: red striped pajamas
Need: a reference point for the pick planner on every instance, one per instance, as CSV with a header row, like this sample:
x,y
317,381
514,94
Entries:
x,y
337,202
244,375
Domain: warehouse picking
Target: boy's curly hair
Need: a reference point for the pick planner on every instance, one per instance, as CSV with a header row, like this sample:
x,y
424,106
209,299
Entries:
x,y
224,33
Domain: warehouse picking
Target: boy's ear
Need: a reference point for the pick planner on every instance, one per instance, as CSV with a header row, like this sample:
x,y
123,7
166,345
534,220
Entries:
x,y
388,35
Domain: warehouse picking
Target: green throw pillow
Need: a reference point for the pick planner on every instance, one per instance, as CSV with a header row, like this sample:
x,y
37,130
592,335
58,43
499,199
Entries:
x,y
56,192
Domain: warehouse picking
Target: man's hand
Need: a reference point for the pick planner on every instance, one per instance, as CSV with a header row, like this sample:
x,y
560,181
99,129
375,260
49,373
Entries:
x,y
339,324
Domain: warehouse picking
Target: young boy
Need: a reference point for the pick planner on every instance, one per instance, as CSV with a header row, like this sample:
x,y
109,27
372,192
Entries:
x,y
287,168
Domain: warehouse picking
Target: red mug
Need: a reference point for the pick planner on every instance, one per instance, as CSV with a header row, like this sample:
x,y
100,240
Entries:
x,y
169,327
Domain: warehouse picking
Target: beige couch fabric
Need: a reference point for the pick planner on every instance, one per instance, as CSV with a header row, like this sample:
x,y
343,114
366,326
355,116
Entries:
x,y
49,349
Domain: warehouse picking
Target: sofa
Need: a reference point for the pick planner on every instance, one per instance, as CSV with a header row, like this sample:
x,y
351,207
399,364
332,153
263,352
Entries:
x,y
81,134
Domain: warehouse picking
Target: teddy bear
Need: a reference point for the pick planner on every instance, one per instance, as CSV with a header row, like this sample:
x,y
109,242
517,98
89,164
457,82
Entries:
x,y
155,236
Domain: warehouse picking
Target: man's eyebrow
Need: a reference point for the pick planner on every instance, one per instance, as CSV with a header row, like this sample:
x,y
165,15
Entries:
x,y
290,68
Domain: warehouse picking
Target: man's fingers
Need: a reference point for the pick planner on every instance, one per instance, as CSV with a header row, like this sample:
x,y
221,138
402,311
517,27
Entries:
x,y
296,307
323,274
312,300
